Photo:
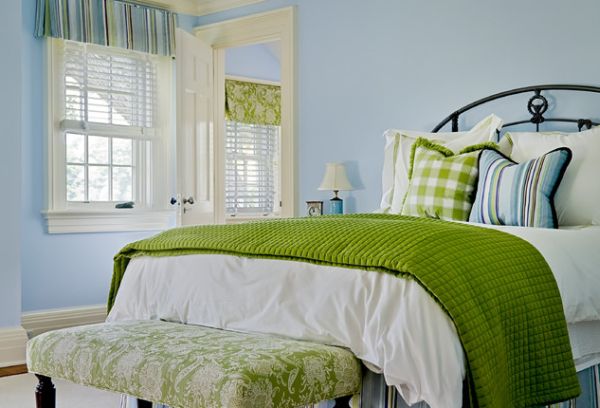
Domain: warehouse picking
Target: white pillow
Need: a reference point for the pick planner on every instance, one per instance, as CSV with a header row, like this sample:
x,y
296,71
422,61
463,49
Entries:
x,y
577,199
396,160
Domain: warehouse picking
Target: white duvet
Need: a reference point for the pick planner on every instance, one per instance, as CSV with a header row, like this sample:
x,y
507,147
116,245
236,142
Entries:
x,y
392,324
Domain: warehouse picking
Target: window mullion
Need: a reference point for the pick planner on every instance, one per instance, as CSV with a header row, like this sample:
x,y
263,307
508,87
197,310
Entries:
x,y
86,95
237,181
110,169
86,173
111,86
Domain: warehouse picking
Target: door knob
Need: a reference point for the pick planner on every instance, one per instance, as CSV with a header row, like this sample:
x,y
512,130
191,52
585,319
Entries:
x,y
189,200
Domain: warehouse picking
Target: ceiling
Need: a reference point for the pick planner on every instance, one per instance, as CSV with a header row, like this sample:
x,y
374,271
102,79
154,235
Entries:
x,y
274,48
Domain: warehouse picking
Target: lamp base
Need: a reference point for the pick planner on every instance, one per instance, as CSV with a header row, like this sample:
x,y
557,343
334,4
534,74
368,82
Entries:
x,y
336,206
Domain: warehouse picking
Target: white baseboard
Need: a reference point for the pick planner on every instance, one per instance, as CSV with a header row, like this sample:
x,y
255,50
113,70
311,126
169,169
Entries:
x,y
36,323
12,346
14,339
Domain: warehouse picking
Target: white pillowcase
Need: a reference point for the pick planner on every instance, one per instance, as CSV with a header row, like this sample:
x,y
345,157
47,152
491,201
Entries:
x,y
577,199
396,161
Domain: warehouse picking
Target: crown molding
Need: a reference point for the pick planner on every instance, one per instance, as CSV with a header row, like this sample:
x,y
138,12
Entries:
x,y
200,7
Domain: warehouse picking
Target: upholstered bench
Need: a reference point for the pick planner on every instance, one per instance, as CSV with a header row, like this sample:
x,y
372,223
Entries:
x,y
192,366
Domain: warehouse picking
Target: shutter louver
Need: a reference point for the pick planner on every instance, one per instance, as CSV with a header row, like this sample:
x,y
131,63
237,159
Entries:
x,y
108,88
251,170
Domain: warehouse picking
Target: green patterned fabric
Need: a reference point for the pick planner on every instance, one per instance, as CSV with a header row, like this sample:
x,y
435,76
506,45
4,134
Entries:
x,y
249,102
194,366
496,287
442,183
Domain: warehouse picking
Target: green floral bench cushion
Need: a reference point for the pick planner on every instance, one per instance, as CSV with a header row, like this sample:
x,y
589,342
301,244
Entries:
x,y
194,366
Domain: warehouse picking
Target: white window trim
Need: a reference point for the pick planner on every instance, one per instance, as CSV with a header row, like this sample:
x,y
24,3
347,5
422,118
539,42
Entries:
x,y
61,218
62,222
257,28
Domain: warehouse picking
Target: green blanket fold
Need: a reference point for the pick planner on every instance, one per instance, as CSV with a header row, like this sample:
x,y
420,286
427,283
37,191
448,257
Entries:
x,y
496,287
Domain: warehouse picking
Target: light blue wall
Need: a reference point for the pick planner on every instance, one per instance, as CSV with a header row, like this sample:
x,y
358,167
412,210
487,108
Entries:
x,y
361,69
364,67
59,270
252,61
10,159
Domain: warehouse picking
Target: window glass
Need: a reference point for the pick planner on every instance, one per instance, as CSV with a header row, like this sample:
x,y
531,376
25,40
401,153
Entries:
x,y
98,150
122,151
75,183
75,148
98,183
122,183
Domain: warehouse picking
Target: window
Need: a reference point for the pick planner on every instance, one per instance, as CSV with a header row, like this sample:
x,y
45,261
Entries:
x,y
109,141
251,169
252,140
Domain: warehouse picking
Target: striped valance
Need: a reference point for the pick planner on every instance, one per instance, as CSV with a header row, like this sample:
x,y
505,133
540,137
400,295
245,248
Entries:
x,y
249,102
115,23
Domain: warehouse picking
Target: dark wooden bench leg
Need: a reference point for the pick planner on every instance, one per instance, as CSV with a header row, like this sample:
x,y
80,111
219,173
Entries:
x,y
342,402
143,403
45,393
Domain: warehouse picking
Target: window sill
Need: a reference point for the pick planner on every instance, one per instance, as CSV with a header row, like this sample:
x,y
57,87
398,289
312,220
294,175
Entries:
x,y
78,221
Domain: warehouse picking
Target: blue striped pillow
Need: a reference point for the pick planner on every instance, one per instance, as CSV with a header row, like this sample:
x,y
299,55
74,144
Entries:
x,y
522,194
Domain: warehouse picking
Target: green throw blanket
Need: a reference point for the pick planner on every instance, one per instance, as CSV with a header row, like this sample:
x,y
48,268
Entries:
x,y
496,287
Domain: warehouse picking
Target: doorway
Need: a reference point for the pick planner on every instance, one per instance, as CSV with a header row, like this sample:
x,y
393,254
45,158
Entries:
x,y
252,138
234,43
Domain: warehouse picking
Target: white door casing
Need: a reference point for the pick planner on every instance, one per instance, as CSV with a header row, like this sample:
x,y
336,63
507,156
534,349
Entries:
x,y
195,158
254,29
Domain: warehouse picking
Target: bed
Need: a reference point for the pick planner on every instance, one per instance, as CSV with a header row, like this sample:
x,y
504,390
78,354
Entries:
x,y
395,326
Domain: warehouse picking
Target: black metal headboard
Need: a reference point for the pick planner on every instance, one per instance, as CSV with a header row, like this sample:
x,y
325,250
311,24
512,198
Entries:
x,y
536,106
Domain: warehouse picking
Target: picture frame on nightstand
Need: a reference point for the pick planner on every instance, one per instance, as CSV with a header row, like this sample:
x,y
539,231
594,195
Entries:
x,y
314,208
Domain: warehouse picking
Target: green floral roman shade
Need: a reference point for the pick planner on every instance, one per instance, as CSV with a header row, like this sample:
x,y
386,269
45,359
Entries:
x,y
116,23
249,102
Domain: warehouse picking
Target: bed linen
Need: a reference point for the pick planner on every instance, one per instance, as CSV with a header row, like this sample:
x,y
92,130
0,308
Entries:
x,y
410,391
573,254
311,309
383,319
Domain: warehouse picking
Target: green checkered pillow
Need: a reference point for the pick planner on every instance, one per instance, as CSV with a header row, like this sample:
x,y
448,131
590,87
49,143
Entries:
x,y
442,183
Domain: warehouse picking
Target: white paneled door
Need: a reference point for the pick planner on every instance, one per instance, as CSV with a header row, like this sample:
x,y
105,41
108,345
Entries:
x,y
195,177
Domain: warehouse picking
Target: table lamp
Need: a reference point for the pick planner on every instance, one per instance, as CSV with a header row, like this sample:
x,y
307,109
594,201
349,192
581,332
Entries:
x,y
335,179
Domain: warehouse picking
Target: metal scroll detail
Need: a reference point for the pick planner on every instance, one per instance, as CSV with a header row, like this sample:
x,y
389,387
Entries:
x,y
537,106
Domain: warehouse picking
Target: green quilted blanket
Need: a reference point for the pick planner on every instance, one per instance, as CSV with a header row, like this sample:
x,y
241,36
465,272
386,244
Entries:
x,y
496,287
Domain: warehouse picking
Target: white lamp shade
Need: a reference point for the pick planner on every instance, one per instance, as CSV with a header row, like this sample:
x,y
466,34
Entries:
x,y
335,178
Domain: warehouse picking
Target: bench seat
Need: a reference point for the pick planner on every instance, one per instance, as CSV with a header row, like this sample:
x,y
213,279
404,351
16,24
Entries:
x,y
194,366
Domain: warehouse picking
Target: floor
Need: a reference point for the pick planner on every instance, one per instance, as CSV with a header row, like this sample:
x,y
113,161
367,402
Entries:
x,y
17,391
13,370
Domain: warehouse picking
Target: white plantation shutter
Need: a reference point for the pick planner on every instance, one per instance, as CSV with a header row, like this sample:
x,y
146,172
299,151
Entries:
x,y
105,86
251,169
108,120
